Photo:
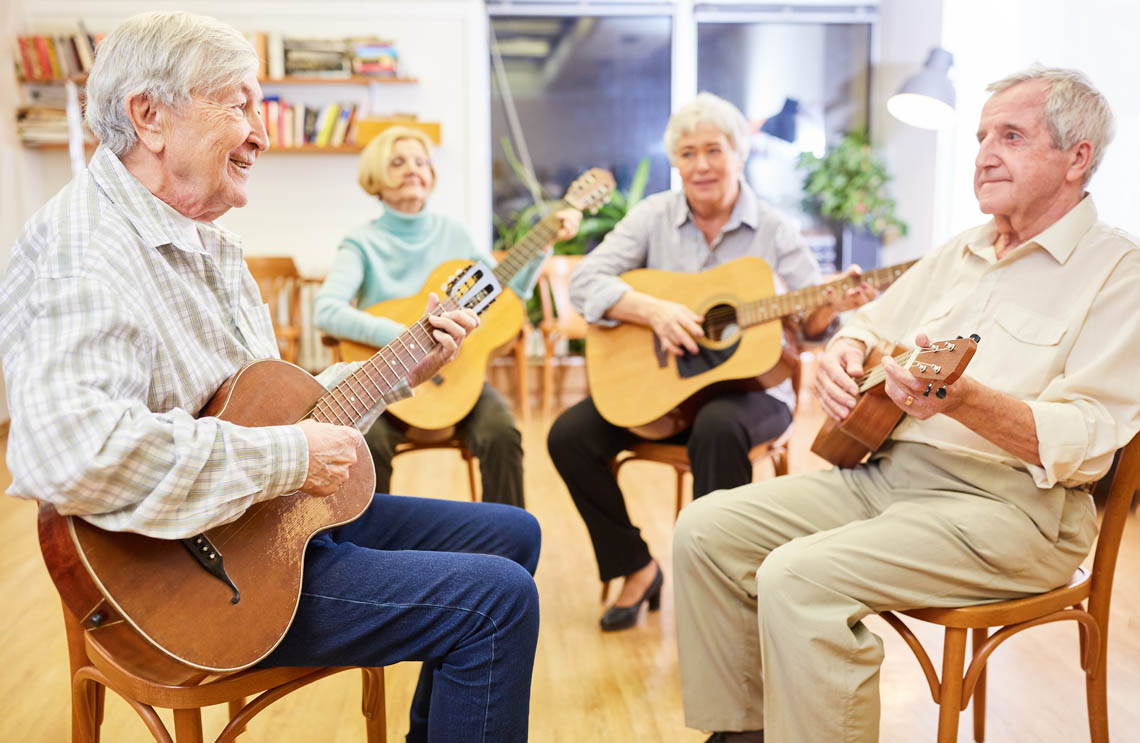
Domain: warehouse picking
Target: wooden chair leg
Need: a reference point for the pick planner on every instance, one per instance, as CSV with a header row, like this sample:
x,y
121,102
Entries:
x,y
680,492
86,698
605,590
188,725
950,694
523,373
373,705
471,487
1096,693
84,711
979,636
547,376
235,706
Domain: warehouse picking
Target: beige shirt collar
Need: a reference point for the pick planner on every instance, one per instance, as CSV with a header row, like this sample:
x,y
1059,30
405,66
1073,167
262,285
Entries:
x,y
1058,239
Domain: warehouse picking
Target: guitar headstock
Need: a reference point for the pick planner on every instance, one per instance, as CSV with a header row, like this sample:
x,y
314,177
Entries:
x,y
473,288
590,190
943,361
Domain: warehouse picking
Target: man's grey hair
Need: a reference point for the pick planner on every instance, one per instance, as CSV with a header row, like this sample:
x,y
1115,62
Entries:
x,y
1074,109
167,56
709,109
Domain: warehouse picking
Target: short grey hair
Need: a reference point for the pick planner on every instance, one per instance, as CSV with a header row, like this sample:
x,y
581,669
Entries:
x,y
1074,109
167,56
709,109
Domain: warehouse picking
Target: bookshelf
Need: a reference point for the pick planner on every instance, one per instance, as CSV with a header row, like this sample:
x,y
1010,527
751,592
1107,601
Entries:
x,y
44,64
372,125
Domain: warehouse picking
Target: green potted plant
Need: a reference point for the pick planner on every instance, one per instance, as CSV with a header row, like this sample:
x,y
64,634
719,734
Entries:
x,y
592,229
847,186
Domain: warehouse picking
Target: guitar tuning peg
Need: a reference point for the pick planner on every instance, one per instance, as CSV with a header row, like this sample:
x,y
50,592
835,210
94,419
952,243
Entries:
x,y
941,393
975,338
929,387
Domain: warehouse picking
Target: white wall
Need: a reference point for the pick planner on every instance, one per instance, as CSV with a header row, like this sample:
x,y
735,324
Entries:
x,y
990,40
301,204
907,30
934,171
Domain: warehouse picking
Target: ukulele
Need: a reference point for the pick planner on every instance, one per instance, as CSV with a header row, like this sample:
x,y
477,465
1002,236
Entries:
x,y
637,384
453,392
848,442
222,600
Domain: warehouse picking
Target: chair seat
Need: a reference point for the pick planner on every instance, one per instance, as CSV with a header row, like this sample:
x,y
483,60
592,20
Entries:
x,y
213,689
677,456
1009,612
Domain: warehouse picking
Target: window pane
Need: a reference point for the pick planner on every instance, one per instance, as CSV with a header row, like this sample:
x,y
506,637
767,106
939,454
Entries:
x,y
590,92
823,69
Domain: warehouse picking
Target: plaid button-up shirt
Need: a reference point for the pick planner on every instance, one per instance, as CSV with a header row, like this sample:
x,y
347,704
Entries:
x,y
116,327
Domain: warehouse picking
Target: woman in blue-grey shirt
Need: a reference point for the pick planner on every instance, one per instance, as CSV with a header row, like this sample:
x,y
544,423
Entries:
x,y
714,219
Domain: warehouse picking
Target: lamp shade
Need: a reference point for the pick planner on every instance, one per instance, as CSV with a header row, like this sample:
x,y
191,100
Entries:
x,y
926,100
783,125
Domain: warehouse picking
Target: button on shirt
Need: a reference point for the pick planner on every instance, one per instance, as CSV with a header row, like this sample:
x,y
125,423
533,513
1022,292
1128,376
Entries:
x,y
116,327
1059,318
659,233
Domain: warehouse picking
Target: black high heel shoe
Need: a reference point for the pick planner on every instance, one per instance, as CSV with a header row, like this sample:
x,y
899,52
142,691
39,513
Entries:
x,y
624,617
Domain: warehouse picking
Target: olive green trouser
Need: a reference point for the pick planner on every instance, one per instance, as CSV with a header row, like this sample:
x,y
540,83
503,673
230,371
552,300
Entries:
x,y
774,578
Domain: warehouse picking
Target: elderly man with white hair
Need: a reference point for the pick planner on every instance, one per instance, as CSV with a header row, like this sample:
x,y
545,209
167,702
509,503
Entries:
x,y
980,494
125,307
714,219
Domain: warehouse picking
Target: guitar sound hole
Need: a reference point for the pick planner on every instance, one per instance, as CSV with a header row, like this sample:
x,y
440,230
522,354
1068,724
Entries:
x,y
720,323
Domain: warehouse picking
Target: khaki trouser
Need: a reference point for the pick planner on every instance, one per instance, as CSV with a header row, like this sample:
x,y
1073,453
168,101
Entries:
x,y
774,578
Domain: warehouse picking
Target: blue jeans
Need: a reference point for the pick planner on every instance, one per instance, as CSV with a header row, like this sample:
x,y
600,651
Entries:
x,y
444,582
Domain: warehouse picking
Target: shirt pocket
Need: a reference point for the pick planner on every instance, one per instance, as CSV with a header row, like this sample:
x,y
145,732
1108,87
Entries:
x,y
1032,340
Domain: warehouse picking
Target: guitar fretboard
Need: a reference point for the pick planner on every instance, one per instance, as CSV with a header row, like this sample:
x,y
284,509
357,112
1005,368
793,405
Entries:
x,y
811,297
532,244
350,400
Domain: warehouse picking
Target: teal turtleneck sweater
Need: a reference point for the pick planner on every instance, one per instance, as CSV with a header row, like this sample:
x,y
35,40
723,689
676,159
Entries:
x,y
389,258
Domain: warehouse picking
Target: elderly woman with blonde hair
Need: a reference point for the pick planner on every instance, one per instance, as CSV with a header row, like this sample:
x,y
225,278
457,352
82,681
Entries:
x,y
713,219
391,257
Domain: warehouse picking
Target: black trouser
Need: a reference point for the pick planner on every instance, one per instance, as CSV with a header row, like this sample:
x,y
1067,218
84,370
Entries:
x,y
488,431
583,445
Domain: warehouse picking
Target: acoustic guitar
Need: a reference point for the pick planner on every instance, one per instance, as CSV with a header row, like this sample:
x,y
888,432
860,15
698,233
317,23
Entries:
x,y
222,600
637,384
452,393
847,443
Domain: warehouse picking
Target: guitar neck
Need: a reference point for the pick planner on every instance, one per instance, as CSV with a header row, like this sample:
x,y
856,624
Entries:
x,y
361,391
877,375
531,245
811,297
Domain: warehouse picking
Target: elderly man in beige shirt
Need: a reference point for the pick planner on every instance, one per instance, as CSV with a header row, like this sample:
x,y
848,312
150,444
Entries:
x,y
978,495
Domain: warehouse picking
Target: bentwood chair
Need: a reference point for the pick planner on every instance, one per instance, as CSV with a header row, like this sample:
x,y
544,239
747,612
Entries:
x,y
94,669
559,319
280,284
111,655
1085,600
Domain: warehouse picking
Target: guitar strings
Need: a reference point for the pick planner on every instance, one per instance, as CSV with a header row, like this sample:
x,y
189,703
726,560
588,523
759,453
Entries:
x,y
877,374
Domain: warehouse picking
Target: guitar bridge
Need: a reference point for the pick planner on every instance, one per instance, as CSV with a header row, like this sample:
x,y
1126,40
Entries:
x,y
210,558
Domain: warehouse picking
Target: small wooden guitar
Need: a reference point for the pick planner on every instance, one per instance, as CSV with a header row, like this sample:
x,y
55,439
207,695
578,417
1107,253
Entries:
x,y
452,393
222,600
636,384
875,415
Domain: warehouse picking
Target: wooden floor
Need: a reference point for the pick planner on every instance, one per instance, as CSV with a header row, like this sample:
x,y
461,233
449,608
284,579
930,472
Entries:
x,y
588,686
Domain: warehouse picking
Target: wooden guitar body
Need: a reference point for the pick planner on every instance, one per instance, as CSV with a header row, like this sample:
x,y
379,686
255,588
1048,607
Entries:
x,y
635,382
453,392
117,583
875,415
864,430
